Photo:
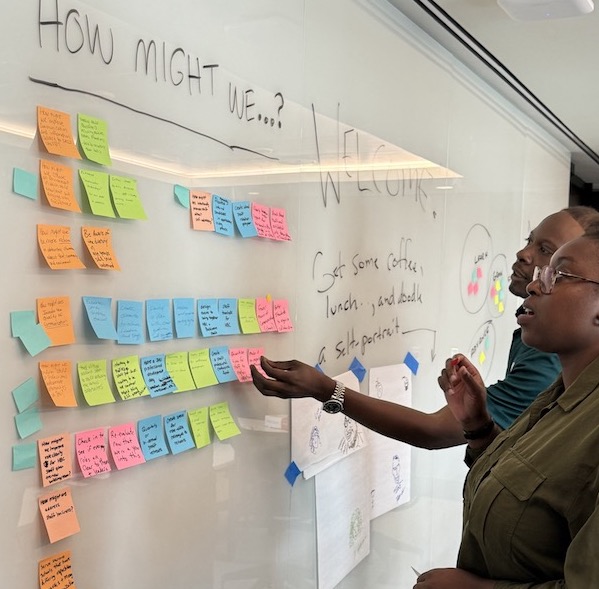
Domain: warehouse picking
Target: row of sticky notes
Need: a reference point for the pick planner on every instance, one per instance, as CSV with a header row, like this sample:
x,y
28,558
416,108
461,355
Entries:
x,y
57,248
211,212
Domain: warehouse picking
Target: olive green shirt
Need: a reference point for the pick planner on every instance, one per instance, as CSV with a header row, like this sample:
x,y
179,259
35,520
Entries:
x,y
531,517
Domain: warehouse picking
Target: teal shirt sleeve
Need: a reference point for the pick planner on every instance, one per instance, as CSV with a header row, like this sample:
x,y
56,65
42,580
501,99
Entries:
x,y
529,372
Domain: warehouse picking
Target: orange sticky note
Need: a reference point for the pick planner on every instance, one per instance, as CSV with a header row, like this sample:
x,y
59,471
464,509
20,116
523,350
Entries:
x,y
58,513
55,459
54,315
201,211
54,128
57,377
59,189
55,572
99,244
55,244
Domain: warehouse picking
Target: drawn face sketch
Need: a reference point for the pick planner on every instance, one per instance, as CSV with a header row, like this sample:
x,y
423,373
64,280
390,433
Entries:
x,y
318,413
406,383
396,473
372,494
314,440
351,436
378,387
356,525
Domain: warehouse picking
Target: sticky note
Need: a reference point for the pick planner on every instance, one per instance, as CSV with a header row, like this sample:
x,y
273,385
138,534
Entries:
x,y
411,362
58,514
222,421
54,314
222,212
93,139
201,211
128,379
99,314
254,355
201,368
56,572
208,316
178,367
129,322
92,452
177,432
248,320
228,323
24,183
124,446
182,195
94,382
57,376
240,364
156,376
54,128
185,317
98,241
278,224
198,421
261,218
358,369
265,314
35,339
21,321
151,437
125,198
292,472
242,213
97,190
58,186
282,317
28,422
25,395
24,456
55,458
221,364
159,321
55,244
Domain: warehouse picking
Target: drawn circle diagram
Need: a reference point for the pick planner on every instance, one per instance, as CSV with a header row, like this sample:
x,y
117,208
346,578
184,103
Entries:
x,y
475,268
497,286
482,348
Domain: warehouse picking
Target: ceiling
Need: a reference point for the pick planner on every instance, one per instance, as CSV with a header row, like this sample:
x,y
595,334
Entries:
x,y
547,68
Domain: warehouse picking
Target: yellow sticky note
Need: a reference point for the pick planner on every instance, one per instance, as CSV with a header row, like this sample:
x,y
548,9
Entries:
x,y
201,368
56,572
55,244
57,376
177,365
248,320
58,513
222,421
97,190
198,420
128,378
94,382
54,128
98,241
93,139
500,307
126,198
57,183
54,315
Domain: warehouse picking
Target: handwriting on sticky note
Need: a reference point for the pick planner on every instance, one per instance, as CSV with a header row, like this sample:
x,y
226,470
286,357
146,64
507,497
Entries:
x,y
54,315
57,376
97,190
128,378
55,131
93,138
55,244
94,382
58,513
55,458
282,316
92,452
278,224
198,421
125,197
222,421
56,572
201,211
98,241
124,446
201,368
261,218
240,363
57,182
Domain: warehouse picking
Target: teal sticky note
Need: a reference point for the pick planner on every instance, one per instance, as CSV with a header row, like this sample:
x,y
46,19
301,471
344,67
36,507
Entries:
x,y
185,317
35,339
156,376
129,322
178,433
99,313
222,213
182,195
221,364
26,394
24,183
242,213
24,456
158,319
21,321
228,322
151,437
28,422
208,316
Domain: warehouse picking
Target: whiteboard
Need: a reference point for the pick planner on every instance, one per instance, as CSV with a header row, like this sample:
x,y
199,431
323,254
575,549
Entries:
x,y
312,107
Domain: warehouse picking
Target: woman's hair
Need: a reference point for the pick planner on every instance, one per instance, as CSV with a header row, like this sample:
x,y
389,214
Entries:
x,y
586,217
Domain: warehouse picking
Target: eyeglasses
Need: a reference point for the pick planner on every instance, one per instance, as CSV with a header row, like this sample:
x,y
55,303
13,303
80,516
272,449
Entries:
x,y
547,277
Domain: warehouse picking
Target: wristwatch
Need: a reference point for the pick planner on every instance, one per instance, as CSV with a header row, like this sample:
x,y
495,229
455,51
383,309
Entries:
x,y
335,403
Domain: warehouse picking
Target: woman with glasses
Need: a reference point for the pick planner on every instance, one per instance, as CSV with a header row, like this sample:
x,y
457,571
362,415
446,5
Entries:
x,y
531,518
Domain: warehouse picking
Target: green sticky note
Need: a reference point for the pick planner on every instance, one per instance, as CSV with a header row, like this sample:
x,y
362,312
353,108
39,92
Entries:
x,y
126,198
94,382
24,456
201,368
35,339
177,366
248,320
182,195
24,183
26,394
198,420
96,187
222,421
28,422
93,139
21,321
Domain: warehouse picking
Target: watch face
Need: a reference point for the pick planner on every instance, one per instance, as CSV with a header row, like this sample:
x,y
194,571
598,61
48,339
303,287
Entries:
x,y
332,406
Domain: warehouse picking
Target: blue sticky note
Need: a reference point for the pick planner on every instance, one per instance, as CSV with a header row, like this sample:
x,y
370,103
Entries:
x,y
228,322
158,318
24,183
319,368
129,322
26,394
178,433
99,313
24,456
358,369
242,213
182,195
35,339
222,213
156,376
151,437
292,472
185,317
411,363
221,364
28,422
208,316
21,321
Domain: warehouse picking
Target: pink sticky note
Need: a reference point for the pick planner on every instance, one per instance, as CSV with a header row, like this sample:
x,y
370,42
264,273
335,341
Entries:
x,y
200,206
278,224
282,317
92,453
261,218
124,446
241,366
254,359
265,314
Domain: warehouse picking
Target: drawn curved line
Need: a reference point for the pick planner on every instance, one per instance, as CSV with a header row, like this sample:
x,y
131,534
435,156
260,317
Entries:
x,y
156,117
464,303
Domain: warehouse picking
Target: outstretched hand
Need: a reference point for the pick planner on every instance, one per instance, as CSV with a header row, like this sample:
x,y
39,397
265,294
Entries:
x,y
292,379
451,579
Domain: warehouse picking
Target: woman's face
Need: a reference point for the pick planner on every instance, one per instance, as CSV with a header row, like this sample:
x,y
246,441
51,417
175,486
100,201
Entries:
x,y
567,320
